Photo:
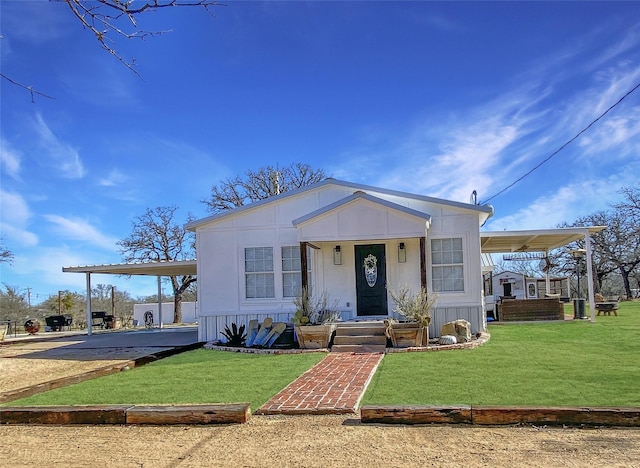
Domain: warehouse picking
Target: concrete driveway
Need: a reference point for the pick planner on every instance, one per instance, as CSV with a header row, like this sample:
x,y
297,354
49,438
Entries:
x,y
42,362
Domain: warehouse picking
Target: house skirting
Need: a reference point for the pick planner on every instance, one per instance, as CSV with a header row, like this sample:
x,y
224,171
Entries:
x,y
211,326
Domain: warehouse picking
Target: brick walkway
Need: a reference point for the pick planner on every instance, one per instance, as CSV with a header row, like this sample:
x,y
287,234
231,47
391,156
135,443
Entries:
x,y
333,386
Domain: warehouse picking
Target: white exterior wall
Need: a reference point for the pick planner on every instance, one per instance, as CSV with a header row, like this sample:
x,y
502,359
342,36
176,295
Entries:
x,y
517,284
189,312
221,244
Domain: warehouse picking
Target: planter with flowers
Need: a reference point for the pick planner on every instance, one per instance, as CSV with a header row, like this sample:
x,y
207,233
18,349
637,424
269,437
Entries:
x,y
314,320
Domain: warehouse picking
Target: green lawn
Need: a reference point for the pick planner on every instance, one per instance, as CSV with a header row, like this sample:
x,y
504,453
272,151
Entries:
x,y
572,363
554,364
200,376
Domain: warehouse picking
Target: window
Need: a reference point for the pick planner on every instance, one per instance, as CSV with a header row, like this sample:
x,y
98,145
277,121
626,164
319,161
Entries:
x,y
447,265
258,271
292,271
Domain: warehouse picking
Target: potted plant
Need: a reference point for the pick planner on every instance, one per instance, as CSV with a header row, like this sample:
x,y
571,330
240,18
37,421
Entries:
x,y
314,320
416,310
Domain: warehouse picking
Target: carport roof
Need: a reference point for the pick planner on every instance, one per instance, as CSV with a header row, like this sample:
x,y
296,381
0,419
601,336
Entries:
x,y
533,240
173,268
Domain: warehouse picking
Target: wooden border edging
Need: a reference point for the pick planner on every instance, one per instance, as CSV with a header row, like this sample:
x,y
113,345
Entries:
x,y
570,416
189,414
98,414
127,414
416,414
501,415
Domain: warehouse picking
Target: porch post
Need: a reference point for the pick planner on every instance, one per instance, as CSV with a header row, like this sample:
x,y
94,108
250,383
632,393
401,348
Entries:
x,y
592,300
89,303
548,275
304,265
160,300
423,262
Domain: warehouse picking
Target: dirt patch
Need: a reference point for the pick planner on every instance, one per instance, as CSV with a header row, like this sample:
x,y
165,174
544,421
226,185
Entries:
x,y
317,441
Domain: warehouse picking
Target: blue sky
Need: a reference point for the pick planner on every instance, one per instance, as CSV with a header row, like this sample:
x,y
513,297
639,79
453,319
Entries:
x,y
433,98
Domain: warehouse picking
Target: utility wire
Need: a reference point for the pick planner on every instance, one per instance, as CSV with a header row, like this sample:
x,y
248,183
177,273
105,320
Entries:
x,y
564,145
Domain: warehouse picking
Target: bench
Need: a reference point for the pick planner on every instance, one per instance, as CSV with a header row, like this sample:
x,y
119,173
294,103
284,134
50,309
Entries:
x,y
606,308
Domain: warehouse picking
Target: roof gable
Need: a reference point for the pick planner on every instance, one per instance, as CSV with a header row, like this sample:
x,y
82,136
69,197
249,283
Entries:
x,y
485,211
361,216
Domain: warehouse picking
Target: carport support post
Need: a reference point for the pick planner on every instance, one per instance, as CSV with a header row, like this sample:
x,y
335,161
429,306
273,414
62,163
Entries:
x,y
592,300
88,303
160,300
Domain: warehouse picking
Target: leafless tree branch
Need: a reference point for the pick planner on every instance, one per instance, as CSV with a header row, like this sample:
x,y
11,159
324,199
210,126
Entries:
x,y
97,17
28,88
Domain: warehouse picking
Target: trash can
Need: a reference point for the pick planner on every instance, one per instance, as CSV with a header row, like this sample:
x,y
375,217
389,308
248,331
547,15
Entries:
x,y
578,308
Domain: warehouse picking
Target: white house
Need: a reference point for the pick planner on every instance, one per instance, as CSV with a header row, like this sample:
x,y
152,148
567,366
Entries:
x,y
253,260
520,286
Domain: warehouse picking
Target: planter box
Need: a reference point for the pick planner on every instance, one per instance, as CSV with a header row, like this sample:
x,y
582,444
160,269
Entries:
x,y
315,336
406,335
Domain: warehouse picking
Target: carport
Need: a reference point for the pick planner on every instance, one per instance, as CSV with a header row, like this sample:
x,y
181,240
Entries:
x,y
157,269
543,241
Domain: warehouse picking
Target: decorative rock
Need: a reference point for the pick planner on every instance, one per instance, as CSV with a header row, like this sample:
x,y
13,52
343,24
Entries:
x,y
447,340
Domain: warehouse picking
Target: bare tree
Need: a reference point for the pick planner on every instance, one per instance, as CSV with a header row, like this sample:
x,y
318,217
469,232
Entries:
x,y
13,303
157,237
258,185
108,19
617,248
6,256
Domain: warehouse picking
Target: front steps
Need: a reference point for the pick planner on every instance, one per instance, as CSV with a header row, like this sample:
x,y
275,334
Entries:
x,y
359,337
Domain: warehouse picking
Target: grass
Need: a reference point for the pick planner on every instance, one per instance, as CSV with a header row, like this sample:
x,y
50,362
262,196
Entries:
x,y
550,364
547,364
200,376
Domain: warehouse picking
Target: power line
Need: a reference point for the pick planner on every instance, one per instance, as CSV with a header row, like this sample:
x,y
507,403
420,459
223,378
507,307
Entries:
x,y
564,145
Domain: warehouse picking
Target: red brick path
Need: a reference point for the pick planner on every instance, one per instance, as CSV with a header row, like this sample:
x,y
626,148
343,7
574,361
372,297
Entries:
x,y
333,386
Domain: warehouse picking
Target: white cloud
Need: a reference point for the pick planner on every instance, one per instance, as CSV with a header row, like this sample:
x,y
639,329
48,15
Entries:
x,y
80,230
10,159
114,178
62,155
568,203
15,219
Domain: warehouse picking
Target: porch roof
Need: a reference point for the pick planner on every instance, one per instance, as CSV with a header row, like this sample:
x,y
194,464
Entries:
x,y
173,268
533,240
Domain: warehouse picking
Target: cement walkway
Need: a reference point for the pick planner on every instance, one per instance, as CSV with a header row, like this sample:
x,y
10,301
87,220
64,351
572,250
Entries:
x,y
333,386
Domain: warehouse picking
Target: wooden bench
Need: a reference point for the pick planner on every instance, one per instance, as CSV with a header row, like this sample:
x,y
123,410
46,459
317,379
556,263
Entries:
x,y
606,308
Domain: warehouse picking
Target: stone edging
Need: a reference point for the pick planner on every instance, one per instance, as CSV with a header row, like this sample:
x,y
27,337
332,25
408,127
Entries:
x,y
506,415
127,414
479,341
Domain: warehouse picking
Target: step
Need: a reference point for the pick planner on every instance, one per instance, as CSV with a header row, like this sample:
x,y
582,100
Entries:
x,y
360,330
358,348
360,340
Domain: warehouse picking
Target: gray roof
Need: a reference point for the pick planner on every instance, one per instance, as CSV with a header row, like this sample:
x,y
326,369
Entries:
x,y
486,209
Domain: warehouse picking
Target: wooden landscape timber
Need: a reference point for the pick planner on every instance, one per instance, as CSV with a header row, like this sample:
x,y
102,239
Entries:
x,y
505,415
235,413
